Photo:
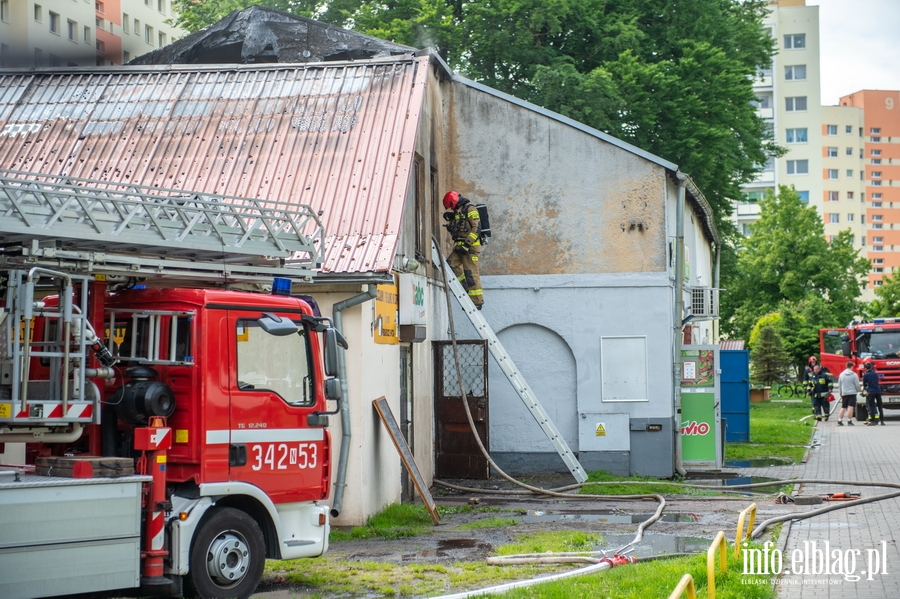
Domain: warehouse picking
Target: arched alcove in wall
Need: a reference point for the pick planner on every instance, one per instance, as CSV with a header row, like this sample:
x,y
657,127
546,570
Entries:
x,y
548,365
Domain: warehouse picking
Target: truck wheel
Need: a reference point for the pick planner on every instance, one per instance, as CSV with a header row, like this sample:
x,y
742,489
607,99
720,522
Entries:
x,y
227,556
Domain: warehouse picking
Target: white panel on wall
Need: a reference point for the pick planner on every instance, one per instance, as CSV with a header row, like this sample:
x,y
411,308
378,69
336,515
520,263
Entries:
x,y
623,365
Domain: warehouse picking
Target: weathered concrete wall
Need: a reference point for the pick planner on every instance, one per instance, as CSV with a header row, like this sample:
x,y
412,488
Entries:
x,y
561,201
552,326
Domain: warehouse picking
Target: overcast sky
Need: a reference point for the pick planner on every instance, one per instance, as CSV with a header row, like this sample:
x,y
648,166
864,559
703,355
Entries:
x,y
859,46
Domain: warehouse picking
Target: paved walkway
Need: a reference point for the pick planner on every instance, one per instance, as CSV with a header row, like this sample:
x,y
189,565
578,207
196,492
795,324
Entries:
x,y
864,532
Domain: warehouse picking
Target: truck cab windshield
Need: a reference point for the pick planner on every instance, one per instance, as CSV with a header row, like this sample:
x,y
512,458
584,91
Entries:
x,y
884,344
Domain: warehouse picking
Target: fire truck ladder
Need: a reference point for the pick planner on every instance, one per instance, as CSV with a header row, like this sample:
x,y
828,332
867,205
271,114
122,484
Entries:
x,y
512,373
92,226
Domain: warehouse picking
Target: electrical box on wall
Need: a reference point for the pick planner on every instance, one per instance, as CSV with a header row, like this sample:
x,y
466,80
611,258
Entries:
x,y
603,431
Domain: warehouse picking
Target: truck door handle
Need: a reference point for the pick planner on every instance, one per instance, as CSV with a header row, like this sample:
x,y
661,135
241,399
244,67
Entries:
x,y
237,454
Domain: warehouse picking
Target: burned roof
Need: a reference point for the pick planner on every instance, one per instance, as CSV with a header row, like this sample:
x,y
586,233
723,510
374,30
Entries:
x,y
264,35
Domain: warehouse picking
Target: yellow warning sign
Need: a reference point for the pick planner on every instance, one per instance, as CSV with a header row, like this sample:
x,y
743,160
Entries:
x,y
601,429
5,410
181,435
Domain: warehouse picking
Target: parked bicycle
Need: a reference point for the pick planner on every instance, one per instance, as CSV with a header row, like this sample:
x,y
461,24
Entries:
x,y
791,388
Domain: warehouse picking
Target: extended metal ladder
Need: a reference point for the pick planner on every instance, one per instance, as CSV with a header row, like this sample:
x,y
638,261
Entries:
x,y
94,226
512,373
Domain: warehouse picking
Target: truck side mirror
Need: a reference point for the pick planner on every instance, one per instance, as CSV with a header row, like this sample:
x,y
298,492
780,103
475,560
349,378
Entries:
x,y
333,339
333,389
276,325
845,345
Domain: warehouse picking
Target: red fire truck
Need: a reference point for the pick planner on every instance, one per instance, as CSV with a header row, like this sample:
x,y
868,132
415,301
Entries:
x,y
877,340
174,432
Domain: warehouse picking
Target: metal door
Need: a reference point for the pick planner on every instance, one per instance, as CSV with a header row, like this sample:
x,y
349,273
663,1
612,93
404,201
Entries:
x,y
735,385
457,453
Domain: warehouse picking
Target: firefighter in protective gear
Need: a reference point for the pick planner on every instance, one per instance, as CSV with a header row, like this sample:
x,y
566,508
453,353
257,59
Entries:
x,y
464,225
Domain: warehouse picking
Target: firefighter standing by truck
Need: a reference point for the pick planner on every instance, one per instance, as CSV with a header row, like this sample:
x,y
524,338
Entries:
x,y
872,391
820,389
464,225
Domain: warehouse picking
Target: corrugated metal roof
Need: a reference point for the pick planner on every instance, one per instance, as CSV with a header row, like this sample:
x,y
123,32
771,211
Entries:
x,y
339,137
731,344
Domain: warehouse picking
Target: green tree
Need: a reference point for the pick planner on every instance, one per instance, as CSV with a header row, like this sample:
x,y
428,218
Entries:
x,y
767,356
887,299
674,79
786,266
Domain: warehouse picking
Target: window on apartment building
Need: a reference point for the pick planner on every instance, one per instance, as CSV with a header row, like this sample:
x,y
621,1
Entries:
x,y
796,136
72,30
99,7
834,218
831,130
100,23
832,152
876,140
162,39
804,196
125,24
161,6
849,218
877,226
795,41
769,166
876,161
848,129
876,196
849,173
146,2
849,195
798,167
879,282
795,104
878,240
876,152
875,183
875,131
862,219
101,46
148,34
87,35
876,174
849,152
834,196
763,101
878,261
126,56
880,269
795,72
862,241
4,10
54,22
876,218
38,13
877,248
137,27
832,173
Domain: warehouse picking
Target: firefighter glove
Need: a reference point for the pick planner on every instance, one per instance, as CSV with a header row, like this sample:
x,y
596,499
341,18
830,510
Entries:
x,y
461,249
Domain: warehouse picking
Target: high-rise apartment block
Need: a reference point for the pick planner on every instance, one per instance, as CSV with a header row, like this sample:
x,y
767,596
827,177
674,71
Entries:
x,y
788,98
878,147
82,32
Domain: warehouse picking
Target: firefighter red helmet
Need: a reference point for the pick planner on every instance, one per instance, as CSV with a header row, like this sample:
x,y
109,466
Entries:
x,y
451,200
812,359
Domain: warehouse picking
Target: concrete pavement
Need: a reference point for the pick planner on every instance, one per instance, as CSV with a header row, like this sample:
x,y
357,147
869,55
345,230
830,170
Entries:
x,y
863,556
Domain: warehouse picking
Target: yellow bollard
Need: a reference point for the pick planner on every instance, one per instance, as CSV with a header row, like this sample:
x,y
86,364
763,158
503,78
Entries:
x,y
686,583
718,543
751,509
